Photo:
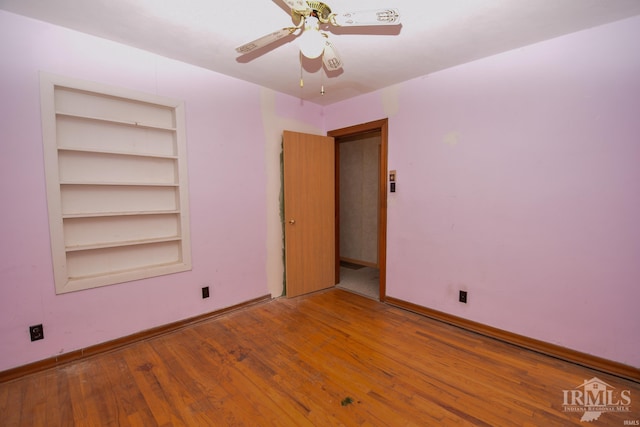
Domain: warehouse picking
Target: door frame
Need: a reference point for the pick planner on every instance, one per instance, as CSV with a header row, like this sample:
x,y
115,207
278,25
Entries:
x,y
362,129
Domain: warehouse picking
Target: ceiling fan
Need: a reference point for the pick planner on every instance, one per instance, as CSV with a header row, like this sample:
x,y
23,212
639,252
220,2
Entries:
x,y
309,17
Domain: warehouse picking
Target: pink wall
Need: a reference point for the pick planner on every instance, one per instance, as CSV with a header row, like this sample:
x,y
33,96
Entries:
x,y
519,181
227,192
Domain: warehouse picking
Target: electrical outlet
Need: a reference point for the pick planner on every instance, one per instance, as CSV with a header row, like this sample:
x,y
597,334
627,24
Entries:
x,y
36,332
463,297
205,292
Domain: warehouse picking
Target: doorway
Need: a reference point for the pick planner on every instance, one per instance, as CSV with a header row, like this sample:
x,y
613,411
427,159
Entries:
x,y
361,225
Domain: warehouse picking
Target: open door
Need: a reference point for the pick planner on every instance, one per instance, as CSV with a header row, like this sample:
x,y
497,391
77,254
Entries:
x,y
309,212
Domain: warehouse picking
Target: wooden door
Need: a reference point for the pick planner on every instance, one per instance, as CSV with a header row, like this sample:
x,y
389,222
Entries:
x,y
309,212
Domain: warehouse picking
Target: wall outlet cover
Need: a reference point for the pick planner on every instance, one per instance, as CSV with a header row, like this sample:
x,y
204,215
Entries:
x,y
36,332
463,297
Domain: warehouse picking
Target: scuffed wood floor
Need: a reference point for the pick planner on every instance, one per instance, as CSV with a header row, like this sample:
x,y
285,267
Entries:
x,y
327,359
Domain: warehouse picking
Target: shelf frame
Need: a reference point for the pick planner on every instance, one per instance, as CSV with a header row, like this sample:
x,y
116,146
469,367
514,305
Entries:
x,y
112,110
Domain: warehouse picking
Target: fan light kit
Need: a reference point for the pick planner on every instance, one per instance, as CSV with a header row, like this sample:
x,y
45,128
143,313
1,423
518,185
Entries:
x,y
310,17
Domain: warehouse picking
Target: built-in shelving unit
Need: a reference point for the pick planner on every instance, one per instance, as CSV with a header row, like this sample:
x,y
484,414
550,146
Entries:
x,y
116,179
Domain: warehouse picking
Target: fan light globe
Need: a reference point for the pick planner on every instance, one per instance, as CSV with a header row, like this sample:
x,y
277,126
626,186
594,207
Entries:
x,y
311,41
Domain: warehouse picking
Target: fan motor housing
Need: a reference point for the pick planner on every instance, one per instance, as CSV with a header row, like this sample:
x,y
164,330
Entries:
x,y
321,10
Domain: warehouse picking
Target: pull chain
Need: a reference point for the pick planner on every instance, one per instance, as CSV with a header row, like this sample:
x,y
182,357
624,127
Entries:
x,y
301,79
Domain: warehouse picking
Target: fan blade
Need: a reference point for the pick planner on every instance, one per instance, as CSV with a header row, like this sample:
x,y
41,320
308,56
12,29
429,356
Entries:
x,y
367,17
263,41
297,5
330,57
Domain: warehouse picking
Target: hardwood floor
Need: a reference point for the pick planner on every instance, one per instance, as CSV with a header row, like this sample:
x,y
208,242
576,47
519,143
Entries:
x,y
327,359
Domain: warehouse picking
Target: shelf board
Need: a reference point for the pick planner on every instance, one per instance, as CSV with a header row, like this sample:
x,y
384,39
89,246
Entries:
x,y
117,153
118,122
109,214
124,184
94,246
128,272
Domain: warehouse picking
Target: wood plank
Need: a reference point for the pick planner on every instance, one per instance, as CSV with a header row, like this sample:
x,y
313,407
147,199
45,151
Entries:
x,y
126,397
294,362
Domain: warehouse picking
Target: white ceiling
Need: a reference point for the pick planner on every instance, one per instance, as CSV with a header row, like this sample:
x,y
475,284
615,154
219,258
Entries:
x,y
435,34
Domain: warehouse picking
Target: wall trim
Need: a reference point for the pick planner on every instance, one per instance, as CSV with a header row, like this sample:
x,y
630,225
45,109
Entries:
x,y
358,262
118,343
553,350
